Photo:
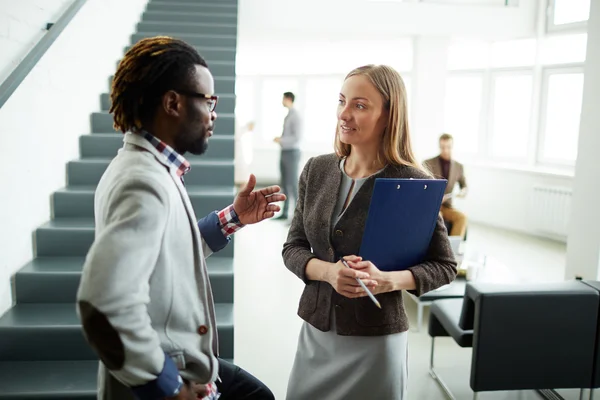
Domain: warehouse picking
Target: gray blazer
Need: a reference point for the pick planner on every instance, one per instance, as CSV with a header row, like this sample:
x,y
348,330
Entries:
x,y
145,300
311,235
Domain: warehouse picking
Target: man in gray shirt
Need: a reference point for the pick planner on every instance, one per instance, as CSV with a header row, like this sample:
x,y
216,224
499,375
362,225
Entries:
x,y
290,152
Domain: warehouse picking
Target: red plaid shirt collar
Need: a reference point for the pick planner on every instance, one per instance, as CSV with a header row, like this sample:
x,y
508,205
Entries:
x,y
177,160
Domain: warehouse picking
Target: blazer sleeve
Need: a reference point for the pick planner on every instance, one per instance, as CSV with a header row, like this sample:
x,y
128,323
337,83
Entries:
x,y
297,250
462,180
439,267
114,294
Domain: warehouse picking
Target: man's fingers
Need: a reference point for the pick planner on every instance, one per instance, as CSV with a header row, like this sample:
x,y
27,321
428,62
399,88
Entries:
x,y
276,197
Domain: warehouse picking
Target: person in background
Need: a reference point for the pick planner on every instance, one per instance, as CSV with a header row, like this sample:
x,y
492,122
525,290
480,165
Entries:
x,y
145,300
444,166
289,161
349,349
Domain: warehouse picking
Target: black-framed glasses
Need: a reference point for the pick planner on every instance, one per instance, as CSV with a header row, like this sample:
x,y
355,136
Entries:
x,y
212,99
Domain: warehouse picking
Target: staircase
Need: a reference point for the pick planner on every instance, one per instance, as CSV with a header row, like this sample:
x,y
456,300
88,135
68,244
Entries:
x,y
43,354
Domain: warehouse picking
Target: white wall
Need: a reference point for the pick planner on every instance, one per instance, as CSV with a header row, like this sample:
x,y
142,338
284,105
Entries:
x,y
583,246
22,25
42,120
344,19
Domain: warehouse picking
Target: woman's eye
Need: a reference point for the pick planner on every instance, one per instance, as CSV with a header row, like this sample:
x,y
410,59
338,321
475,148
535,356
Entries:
x,y
361,106
341,102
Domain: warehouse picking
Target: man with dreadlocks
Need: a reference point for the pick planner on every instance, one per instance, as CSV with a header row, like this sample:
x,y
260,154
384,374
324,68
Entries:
x,y
145,300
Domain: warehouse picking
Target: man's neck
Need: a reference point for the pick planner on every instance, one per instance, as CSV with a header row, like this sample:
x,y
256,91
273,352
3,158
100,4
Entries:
x,y
161,135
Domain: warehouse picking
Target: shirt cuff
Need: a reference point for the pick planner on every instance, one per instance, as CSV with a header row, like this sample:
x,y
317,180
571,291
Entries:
x,y
229,221
167,384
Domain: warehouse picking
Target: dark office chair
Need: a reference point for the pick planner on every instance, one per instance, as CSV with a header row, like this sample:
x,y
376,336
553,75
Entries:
x,y
524,336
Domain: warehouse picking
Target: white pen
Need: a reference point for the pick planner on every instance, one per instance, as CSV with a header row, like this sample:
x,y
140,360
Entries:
x,y
362,285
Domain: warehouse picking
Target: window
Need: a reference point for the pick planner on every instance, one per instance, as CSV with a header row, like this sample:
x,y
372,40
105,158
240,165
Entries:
x,y
273,112
565,14
462,111
245,101
561,116
569,11
320,111
510,116
563,49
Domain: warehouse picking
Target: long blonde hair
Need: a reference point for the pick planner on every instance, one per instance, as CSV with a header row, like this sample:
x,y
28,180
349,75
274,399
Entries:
x,y
397,146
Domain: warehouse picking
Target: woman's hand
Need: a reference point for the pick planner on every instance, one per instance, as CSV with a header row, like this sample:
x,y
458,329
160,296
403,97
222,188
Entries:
x,y
384,280
343,279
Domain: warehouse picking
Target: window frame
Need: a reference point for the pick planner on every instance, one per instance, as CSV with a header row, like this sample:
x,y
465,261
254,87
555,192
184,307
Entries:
x,y
547,72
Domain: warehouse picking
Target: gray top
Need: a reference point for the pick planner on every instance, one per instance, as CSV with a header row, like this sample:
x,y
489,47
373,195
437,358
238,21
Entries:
x,y
292,131
348,189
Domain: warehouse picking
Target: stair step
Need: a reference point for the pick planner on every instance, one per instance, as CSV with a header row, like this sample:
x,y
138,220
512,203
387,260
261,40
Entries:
x,y
88,172
181,16
106,145
192,6
102,122
226,103
223,84
56,279
66,237
52,380
170,29
212,54
44,332
78,202
195,40
231,3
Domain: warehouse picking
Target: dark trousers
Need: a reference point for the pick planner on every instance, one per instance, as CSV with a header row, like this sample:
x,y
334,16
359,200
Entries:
x,y
235,384
288,165
238,384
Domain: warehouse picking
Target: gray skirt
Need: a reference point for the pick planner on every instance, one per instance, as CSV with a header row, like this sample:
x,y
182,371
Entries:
x,y
329,366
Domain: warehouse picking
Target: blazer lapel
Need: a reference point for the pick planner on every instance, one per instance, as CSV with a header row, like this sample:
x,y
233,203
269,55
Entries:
x,y
140,142
333,181
452,177
436,168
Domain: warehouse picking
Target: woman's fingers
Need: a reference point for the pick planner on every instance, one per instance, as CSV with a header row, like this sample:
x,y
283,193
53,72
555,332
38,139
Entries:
x,y
352,273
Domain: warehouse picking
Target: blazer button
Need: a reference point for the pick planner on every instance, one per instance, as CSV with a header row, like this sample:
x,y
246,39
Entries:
x,y
202,330
330,250
339,233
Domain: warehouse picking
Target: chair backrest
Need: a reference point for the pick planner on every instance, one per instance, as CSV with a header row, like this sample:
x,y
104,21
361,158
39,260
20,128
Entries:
x,y
532,336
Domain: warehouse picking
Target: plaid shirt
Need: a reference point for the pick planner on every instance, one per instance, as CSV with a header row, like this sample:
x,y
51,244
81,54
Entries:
x,y
228,218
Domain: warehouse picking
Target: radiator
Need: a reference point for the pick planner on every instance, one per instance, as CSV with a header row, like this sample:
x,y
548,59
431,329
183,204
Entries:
x,y
550,209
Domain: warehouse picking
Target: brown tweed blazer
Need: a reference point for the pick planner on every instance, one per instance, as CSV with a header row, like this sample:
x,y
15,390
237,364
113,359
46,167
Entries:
x,y
311,235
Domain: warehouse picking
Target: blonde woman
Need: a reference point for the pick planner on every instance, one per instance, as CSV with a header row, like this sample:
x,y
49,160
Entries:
x,y
348,348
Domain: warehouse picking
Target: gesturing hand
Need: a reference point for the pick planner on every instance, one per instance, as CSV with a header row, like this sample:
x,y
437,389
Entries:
x,y
253,206
343,279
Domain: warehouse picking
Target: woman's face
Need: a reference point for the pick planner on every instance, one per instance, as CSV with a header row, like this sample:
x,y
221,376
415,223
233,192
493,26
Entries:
x,y
362,117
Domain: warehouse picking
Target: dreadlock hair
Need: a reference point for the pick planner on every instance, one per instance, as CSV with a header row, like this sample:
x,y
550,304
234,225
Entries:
x,y
149,69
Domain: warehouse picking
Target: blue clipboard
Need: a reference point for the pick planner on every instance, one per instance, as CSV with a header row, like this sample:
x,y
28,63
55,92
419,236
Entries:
x,y
402,217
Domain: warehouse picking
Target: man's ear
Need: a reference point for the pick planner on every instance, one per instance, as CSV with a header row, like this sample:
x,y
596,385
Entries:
x,y
171,103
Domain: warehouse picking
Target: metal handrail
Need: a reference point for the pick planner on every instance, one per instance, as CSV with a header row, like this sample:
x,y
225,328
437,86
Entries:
x,y
31,59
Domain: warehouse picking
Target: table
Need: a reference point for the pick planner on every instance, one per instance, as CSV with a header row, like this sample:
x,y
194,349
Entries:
x,y
488,269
